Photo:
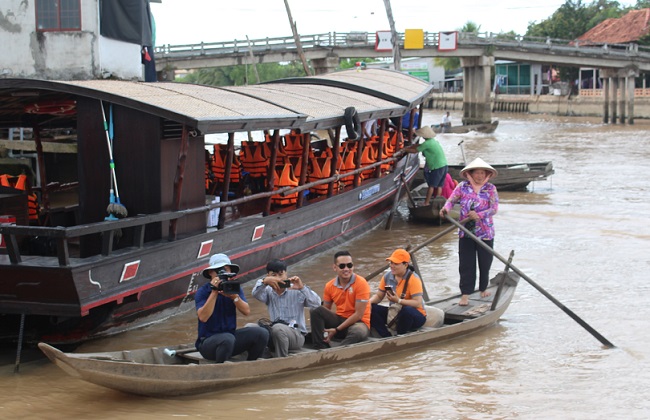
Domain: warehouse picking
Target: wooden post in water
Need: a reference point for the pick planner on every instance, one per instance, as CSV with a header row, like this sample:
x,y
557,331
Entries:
x,y
296,37
397,61
257,75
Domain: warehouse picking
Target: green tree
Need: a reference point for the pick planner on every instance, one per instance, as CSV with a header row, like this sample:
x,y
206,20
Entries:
x,y
573,19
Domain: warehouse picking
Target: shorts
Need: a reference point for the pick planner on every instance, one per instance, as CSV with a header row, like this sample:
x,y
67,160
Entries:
x,y
435,178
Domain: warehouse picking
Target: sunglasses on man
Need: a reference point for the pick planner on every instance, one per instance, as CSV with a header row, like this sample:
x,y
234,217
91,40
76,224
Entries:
x,y
348,265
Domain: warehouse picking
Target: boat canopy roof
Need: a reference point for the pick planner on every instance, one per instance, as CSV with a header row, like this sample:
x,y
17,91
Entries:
x,y
307,103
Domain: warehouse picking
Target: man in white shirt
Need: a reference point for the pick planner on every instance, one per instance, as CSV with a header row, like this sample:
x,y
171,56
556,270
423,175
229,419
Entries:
x,y
286,298
446,122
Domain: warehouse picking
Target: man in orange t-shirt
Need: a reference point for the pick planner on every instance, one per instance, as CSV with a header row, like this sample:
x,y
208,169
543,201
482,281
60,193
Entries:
x,y
350,293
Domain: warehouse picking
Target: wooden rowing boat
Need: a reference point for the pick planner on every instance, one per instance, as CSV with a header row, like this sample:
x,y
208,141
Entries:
x,y
154,372
513,176
462,129
431,213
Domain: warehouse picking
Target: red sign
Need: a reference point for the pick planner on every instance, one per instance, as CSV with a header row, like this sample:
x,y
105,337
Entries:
x,y
257,233
204,249
130,271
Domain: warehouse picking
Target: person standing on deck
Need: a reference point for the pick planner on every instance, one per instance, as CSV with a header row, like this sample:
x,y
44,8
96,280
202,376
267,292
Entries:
x,y
350,293
216,308
435,168
286,298
478,201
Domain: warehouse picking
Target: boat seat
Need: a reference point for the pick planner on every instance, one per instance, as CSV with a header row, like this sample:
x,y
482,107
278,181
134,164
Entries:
x,y
195,357
475,309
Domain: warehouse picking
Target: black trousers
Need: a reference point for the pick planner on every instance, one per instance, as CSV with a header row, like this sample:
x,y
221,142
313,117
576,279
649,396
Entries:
x,y
468,253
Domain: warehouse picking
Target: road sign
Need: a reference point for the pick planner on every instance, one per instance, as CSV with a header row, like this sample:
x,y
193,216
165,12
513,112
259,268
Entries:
x,y
383,41
447,41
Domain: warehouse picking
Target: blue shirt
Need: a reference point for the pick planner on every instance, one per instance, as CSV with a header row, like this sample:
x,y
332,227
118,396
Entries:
x,y
289,305
224,316
406,119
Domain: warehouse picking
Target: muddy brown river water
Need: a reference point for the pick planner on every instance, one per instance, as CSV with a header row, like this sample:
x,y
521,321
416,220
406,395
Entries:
x,y
583,236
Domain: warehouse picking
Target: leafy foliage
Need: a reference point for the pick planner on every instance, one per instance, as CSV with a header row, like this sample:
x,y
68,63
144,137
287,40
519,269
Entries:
x,y
244,74
572,20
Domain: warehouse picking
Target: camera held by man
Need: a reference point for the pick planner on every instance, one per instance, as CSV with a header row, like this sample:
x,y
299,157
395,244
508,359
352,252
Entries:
x,y
225,285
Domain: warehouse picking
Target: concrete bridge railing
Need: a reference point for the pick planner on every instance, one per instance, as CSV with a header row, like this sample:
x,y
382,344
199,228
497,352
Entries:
x,y
366,40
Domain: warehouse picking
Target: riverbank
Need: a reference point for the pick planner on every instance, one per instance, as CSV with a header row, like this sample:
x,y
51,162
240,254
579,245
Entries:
x,y
584,106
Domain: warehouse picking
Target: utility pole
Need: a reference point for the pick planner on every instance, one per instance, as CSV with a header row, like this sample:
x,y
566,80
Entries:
x,y
296,38
397,61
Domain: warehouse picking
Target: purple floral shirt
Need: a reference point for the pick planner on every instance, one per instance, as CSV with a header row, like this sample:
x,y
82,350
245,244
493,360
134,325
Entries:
x,y
486,204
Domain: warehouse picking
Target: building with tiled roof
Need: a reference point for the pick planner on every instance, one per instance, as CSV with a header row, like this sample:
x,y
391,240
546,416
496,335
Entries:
x,y
624,30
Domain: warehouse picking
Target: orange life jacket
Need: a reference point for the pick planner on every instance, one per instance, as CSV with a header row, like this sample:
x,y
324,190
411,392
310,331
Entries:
x,y
349,164
219,165
286,179
321,168
293,144
254,158
368,157
20,183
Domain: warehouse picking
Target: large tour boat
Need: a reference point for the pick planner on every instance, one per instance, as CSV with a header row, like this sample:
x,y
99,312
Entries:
x,y
116,193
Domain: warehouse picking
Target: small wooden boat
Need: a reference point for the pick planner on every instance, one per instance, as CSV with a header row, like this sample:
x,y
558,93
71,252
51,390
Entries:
x,y
180,370
427,214
513,176
461,129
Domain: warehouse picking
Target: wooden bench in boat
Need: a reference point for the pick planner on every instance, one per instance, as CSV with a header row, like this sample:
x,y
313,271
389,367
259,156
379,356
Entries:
x,y
473,310
195,357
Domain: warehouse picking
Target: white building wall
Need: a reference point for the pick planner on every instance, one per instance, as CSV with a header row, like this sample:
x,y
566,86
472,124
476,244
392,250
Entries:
x,y
119,59
69,55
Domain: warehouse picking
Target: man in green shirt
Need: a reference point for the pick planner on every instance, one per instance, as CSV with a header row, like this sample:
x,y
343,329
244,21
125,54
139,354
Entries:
x,y
435,168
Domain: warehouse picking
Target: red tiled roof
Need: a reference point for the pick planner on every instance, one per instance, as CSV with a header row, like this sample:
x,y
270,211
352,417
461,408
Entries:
x,y
628,28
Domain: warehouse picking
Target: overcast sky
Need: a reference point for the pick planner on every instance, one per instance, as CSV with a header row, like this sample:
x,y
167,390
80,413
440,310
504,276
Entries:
x,y
194,21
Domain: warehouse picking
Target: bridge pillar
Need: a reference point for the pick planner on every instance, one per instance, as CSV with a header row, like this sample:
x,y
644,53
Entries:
x,y
325,65
615,80
621,98
605,100
476,89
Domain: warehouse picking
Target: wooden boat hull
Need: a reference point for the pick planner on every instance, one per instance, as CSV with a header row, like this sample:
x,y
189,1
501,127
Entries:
x,y
169,272
513,176
418,212
151,372
462,129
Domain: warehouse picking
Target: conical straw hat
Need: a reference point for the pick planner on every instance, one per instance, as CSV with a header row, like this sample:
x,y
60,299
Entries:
x,y
478,163
425,132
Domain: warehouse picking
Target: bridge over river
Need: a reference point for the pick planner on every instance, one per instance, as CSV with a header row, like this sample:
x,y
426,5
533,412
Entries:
x,y
619,64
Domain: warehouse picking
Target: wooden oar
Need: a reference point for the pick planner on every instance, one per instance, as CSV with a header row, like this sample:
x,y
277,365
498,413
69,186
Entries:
x,y
389,222
535,285
408,191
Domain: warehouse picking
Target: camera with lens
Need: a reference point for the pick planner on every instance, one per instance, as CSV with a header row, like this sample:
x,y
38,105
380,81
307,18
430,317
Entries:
x,y
285,284
226,286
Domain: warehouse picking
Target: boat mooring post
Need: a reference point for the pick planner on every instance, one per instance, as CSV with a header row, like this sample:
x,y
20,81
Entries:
x,y
462,151
19,349
497,294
